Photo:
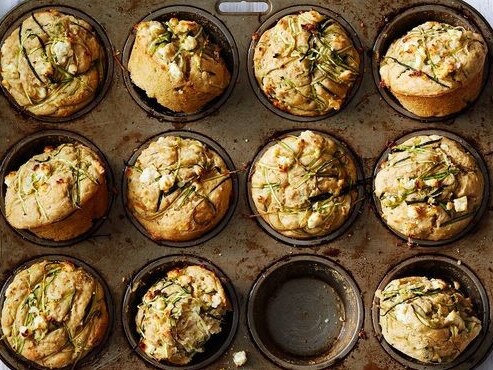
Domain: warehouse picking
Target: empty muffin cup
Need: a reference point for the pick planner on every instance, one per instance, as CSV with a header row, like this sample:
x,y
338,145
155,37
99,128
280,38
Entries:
x,y
219,35
275,106
67,78
450,270
35,144
336,180
181,193
459,14
304,312
156,270
14,360
447,219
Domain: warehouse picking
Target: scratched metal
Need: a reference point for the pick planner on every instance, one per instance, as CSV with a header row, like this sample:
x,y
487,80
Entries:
x,y
118,125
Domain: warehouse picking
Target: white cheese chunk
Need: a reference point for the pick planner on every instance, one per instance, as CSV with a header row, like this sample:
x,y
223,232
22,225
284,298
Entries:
x,y
239,358
460,204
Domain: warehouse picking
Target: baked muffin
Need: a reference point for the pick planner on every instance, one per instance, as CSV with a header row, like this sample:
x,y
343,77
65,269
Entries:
x,y
306,64
435,69
54,313
57,194
303,186
178,188
176,63
429,188
179,314
427,319
51,64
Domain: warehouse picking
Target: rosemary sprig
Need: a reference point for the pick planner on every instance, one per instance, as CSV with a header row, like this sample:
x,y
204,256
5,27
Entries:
x,y
436,80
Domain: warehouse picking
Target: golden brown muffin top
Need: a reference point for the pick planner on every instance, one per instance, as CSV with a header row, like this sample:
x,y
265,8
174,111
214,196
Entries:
x,y
52,185
427,319
429,187
302,185
306,64
179,314
177,63
433,59
178,188
54,313
52,63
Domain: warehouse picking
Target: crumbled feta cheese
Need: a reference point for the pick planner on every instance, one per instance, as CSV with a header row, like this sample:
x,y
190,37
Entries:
x,y
148,175
62,51
175,71
190,43
23,330
284,162
409,184
460,204
216,300
314,220
39,322
239,358
431,182
166,182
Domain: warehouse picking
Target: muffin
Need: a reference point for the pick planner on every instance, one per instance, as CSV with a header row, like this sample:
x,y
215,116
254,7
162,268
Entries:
x,y
304,186
429,188
51,64
176,63
436,69
54,313
306,64
178,189
427,319
179,314
58,194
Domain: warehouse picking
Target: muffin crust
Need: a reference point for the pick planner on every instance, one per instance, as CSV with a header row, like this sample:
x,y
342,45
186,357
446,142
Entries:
x,y
306,64
303,186
54,313
52,64
178,188
429,188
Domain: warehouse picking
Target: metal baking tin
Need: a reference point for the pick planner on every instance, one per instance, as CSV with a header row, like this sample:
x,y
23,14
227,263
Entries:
x,y
18,14
478,216
153,272
34,144
15,361
242,125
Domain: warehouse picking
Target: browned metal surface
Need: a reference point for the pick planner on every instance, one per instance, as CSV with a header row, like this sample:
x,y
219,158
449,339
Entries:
x,y
117,125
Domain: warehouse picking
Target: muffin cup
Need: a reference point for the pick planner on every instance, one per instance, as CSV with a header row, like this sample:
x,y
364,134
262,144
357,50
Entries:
x,y
13,360
234,197
356,208
450,270
479,213
218,33
153,272
459,14
34,144
285,312
18,14
271,22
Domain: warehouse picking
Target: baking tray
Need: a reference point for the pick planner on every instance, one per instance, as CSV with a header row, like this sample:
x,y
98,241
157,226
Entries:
x,y
117,125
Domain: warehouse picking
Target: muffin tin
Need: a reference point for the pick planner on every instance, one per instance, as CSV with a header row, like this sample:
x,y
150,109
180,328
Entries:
x,y
243,250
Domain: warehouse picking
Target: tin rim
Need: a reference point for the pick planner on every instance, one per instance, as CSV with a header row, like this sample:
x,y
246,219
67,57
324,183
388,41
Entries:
x,y
221,225
447,268
477,216
271,22
18,14
33,144
12,359
417,15
356,207
220,34
350,293
150,274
